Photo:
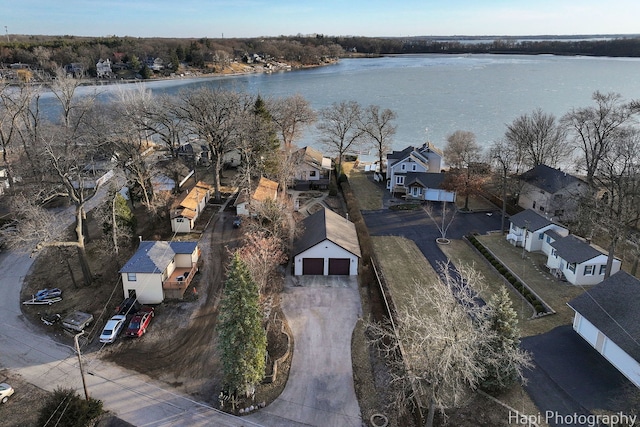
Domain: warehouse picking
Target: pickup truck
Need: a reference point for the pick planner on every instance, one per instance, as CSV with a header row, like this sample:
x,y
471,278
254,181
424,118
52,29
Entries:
x,y
77,321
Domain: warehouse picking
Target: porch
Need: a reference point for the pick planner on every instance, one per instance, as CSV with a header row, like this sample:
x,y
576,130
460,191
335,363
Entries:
x,y
179,281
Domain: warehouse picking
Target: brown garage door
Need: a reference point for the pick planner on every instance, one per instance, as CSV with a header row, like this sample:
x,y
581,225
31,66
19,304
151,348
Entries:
x,y
339,266
311,266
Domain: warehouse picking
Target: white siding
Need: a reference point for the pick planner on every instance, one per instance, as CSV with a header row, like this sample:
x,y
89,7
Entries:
x,y
326,249
628,366
148,287
579,278
186,260
183,226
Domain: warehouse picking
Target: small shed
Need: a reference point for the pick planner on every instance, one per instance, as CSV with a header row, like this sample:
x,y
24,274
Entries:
x,y
186,211
328,246
266,190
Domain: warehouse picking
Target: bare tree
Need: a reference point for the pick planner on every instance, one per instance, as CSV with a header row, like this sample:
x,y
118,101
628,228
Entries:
x,y
379,129
593,129
262,255
340,130
539,138
214,116
462,153
442,220
440,348
617,211
505,161
291,116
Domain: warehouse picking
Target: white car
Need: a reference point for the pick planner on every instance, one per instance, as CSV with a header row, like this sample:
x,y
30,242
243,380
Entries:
x,y
113,328
6,391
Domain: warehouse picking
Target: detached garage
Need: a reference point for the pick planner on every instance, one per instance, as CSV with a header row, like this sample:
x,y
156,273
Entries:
x,y
608,317
328,246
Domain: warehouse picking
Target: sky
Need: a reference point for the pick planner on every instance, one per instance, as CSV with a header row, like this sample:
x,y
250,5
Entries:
x,y
371,18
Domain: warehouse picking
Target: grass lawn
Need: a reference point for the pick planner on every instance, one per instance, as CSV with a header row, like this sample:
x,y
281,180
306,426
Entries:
x,y
369,194
403,264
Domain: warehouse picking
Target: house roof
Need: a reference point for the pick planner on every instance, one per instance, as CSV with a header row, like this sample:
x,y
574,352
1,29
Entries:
x,y
312,157
573,249
266,189
155,256
420,154
554,234
424,179
188,205
613,306
549,179
328,225
530,219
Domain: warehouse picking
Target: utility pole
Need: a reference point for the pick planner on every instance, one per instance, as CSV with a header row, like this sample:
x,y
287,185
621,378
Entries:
x,y
6,31
84,383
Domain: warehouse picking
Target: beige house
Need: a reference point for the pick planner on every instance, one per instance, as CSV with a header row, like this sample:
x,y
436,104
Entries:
x,y
266,190
160,270
551,191
187,209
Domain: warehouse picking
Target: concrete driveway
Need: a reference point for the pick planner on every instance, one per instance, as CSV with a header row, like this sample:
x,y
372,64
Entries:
x,y
322,312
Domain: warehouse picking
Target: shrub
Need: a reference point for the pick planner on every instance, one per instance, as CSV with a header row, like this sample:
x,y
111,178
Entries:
x,y
502,270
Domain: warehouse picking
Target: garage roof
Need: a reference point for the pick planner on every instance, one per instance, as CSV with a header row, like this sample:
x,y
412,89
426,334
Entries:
x,y
613,306
328,225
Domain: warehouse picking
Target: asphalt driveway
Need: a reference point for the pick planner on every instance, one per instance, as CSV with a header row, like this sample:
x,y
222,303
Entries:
x,y
322,312
570,377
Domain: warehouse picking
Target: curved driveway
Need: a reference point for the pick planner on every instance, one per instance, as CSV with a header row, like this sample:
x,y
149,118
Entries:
x,y
322,312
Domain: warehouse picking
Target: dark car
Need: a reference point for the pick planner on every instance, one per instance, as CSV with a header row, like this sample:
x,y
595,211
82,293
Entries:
x,y
128,307
140,322
237,222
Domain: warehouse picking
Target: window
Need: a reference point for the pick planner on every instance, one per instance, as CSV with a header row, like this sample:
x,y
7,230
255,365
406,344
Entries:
x,y
548,239
131,277
413,167
541,208
404,166
400,179
603,269
179,219
572,267
589,269
312,173
540,236
534,205
554,253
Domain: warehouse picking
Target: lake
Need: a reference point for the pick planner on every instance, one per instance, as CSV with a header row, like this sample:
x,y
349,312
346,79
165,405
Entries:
x,y
435,95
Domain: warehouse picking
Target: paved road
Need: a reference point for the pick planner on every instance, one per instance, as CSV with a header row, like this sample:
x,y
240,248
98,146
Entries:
x,y
322,312
49,364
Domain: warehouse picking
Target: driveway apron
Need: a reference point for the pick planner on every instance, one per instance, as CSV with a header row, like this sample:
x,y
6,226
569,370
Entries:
x,y
322,312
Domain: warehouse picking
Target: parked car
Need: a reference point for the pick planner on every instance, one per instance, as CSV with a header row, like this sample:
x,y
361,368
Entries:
x,y
128,307
140,322
113,328
6,391
237,222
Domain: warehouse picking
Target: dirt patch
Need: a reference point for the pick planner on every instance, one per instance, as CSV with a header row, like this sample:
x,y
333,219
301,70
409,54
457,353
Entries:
x,y
23,408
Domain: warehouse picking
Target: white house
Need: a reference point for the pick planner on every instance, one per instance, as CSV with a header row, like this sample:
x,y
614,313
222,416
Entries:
x,y
189,207
551,191
426,158
310,165
103,68
328,246
266,190
427,186
580,262
160,270
534,231
607,316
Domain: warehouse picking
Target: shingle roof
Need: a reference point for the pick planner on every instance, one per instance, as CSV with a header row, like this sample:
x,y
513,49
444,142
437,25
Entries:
x,y
266,189
155,256
553,234
549,179
328,225
574,249
530,219
613,306
424,179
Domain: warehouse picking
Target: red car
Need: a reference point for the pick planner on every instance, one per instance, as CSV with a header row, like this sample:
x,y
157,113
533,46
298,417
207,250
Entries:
x,y
140,322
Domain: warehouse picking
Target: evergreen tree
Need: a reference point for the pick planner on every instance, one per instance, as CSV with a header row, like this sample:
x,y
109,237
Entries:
x,y
500,371
242,340
65,408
